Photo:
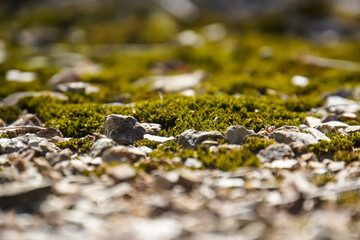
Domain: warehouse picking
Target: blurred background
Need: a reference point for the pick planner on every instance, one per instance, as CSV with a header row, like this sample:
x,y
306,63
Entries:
x,y
112,44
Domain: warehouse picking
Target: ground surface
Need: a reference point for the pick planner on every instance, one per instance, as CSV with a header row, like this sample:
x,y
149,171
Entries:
x,y
140,122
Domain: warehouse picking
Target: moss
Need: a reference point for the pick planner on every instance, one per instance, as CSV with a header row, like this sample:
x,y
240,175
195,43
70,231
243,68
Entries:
x,y
227,160
323,179
255,144
9,114
4,135
325,149
146,142
346,156
175,114
81,144
349,198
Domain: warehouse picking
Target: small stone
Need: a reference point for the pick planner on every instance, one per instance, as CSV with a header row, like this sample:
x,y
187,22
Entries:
x,y
64,76
192,163
315,165
312,121
318,135
308,157
2,123
298,148
27,120
122,173
14,75
300,81
49,133
336,124
340,105
283,164
123,154
191,138
329,118
289,137
158,139
237,134
151,128
77,87
122,129
352,129
56,157
336,166
275,152
350,116
209,143
166,180
229,183
13,99
188,179
100,146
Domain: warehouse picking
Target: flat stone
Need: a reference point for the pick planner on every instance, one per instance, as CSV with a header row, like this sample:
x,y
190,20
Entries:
x,y
13,99
173,83
122,129
191,138
166,180
151,128
352,129
2,123
77,87
237,134
158,139
192,163
229,183
49,133
15,75
22,193
189,179
283,164
122,173
318,135
123,154
27,120
100,146
312,121
336,166
340,104
300,81
275,152
289,137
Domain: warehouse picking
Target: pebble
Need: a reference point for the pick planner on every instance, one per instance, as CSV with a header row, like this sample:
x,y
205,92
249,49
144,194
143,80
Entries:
x,y
318,135
100,146
122,173
237,134
192,138
290,136
123,154
151,128
300,81
122,129
192,163
275,152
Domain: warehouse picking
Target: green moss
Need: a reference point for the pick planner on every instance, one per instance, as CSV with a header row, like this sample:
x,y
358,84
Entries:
x,y
325,149
323,179
4,135
175,114
349,198
9,114
346,156
81,144
146,142
255,144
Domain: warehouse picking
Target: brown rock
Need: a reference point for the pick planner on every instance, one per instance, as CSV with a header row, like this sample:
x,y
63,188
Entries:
x,y
27,120
49,133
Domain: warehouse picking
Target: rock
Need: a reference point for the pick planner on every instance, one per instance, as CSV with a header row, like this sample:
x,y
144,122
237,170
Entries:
x,y
209,143
289,137
122,173
22,193
166,180
340,104
22,143
312,121
229,183
349,116
352,129
306,157
151,128
283,164
329,118
13,99
49,133
27,120
100,146
54,158
192,163
123,154
174,83
158,139
299,148
331,127
188,179
64,76
318,135
15,131
237,134
14,75
300,81
77,87
191,138
275,152
2,123
155,229
122,129
336,166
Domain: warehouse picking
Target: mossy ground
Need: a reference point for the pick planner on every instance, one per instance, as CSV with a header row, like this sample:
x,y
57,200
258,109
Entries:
x,y
126,54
